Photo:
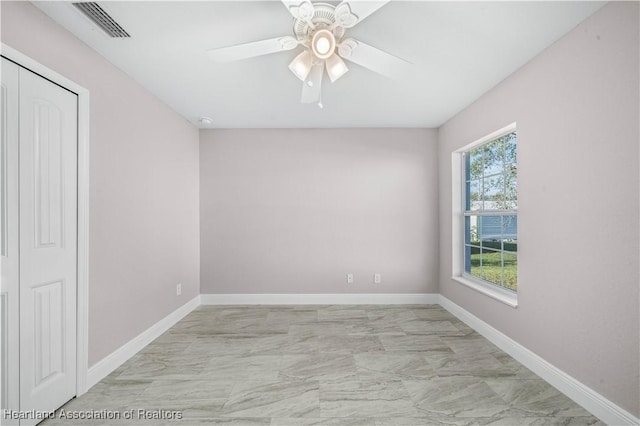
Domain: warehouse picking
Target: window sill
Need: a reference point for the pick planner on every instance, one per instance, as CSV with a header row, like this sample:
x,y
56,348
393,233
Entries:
x,y
500,295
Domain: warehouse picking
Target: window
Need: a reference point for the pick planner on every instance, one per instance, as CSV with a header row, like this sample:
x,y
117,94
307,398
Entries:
x,y
486,241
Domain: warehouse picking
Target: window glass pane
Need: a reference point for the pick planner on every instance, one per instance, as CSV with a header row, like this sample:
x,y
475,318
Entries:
x,y
474,201
494,193
510,149
491,261
510,245
468,253
471,230
510,265
467,230
493,157
467,162
509,228
475,164
475,267
510,192
489,228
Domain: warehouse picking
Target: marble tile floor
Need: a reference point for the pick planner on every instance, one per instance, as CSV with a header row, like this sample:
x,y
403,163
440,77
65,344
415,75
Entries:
x,y
323,365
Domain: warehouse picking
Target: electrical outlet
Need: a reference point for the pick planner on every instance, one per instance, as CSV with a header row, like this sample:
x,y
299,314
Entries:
x,y
377,278
349,278
178,289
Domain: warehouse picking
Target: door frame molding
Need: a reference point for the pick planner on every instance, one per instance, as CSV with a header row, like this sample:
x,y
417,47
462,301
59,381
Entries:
x,y
82,306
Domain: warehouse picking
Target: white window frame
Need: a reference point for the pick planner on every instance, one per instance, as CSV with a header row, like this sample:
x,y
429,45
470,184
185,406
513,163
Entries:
x,y
458,217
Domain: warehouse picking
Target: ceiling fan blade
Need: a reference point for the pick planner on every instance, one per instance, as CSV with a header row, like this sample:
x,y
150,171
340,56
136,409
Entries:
x,y
351,12
250,50
374,59
312,86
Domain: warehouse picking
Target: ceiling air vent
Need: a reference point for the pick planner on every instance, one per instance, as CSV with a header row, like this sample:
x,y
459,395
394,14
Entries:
x,y
102,19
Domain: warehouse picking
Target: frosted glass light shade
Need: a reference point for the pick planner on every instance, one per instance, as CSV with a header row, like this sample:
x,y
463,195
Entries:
x,y
301,65
336,67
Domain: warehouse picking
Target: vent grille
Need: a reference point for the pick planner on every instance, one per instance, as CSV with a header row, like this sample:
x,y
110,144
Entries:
x,y
102,19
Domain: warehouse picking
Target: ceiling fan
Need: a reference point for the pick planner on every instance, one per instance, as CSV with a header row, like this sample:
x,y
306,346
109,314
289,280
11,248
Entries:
x,y
320,28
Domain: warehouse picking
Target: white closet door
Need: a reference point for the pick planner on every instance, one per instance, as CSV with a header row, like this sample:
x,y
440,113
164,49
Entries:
x,y
48,240
9,285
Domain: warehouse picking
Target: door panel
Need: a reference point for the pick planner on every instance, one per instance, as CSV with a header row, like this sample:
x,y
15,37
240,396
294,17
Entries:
x,y
9,284
48,175
48,331
48,210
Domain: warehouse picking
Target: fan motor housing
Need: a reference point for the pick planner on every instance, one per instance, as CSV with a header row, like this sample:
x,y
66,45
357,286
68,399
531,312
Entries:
x,y
324,17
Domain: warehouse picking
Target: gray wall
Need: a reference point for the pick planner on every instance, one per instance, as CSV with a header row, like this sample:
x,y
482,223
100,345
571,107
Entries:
x,y
576,106
293,211
144,186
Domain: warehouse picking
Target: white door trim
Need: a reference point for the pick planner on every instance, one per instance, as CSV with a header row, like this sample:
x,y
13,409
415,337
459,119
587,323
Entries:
x,y
83,206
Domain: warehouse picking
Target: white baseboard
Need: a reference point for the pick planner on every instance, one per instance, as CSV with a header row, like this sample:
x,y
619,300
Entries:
x,y
320,299
592,401
105,366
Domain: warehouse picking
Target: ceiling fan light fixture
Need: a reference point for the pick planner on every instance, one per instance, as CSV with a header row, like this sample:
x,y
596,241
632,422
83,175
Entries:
x,y
336,67
320,28
301,65
323,44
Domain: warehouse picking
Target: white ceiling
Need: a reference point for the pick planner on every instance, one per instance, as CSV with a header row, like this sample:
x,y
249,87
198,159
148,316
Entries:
x,y
459,50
